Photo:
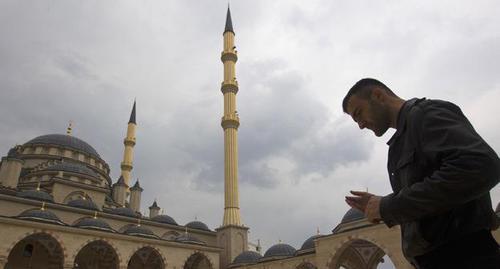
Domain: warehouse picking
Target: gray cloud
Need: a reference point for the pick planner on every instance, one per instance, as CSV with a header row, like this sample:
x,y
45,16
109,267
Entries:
x,y
86,62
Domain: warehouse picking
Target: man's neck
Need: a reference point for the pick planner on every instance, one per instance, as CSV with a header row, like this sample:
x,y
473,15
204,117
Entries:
x,y
395,107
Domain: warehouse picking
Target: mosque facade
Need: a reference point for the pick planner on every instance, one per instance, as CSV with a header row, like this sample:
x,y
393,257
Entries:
x,y
60,209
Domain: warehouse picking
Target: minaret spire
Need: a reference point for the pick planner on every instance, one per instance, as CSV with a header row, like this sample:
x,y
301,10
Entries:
x,y
230,123
229,22
132,115
128,152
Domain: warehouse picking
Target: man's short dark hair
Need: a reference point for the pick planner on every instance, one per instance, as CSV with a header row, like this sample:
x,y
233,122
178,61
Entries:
x,y
363,89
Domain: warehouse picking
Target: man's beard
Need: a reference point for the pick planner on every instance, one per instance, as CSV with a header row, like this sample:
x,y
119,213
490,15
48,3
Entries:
x,y
381,118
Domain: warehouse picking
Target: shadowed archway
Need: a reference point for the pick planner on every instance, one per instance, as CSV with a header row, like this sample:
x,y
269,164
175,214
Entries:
x,y
146,258
36,251
359,254
198,261
96,255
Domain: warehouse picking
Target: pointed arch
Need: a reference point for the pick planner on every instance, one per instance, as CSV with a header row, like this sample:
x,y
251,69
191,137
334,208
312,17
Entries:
x,y
146,256
36,250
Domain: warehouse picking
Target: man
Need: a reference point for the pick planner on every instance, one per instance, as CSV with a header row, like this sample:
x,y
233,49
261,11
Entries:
x,y
441,172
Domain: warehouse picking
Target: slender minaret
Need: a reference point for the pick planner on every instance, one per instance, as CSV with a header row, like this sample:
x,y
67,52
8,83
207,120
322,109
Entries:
x,y
232,236
128,153
230,123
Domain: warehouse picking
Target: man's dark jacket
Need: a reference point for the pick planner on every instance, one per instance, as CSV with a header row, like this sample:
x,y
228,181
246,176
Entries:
x,y
441,172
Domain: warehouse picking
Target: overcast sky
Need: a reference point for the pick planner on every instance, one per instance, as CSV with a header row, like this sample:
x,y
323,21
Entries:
x,y
86,61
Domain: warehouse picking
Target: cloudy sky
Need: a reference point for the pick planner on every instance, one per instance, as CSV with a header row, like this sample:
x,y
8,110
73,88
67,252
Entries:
x,y
86,61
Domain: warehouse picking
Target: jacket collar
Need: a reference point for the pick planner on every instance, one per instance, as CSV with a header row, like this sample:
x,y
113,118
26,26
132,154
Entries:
x,y
402,115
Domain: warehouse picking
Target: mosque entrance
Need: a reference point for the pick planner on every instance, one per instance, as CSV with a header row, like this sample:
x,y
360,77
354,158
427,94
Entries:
x,y
361,254
198,261
146,258
96,255
36,251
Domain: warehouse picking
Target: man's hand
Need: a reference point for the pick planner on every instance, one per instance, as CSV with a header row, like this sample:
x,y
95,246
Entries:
x,y
367,203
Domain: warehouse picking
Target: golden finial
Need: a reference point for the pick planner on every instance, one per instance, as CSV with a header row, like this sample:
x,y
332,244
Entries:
x,y
279,241
95,214
186,231
38,186
195,217
43,206
69,129
317,231
139,221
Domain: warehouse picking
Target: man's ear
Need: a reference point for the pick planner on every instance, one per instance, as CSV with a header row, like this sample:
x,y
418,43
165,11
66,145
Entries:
x,y
378,94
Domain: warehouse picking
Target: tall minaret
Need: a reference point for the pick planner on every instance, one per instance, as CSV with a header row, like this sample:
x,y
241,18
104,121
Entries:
x,y
232,236
128,153
230,123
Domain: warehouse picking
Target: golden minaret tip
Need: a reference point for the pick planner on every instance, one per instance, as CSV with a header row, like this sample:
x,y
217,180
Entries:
x,y
69,130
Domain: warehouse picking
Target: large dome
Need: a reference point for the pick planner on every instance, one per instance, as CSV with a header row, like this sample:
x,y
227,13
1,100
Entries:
x,y
246,257
164,219
40,215
280,251
189,239
94,223
36,195
72,168
352,215
84,203
198,225
309,243
65,141
138,230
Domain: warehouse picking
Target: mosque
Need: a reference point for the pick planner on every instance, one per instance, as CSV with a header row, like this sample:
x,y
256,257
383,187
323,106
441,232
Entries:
x,y
61,209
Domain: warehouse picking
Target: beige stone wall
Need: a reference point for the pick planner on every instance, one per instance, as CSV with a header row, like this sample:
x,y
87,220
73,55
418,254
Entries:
x,y
72,240
13,206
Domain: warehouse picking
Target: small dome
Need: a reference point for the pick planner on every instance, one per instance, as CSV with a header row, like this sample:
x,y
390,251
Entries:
x,y
352,215
138,230
40,215
198,225
309,243
83,203
72,168
164,219
279,251
94,223
189,239
247,257
65,141
13,152
36,195
124,211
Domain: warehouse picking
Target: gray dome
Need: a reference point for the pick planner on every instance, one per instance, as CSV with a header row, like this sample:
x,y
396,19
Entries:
x,y
124,211
138,230
198,225
13,152
65,141
164,219
73,168
280,251
83,203
247,257
352,215
189,239
309,243
94,223
36,195
40,215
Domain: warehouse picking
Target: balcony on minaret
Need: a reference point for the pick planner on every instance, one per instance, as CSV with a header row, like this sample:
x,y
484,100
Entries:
x,y
230,121
129,141
229,55
229,86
